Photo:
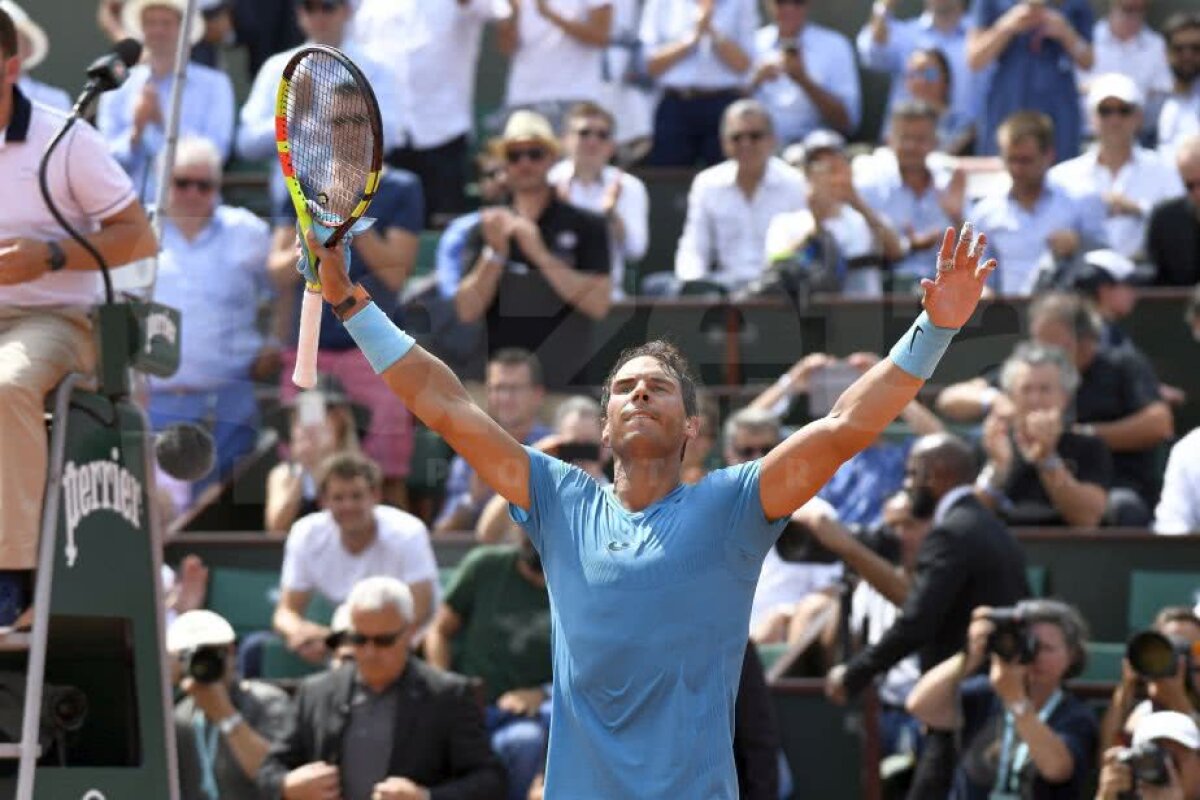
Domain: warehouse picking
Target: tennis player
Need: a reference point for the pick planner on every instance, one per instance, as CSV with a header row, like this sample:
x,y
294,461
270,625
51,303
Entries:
x,y
651,580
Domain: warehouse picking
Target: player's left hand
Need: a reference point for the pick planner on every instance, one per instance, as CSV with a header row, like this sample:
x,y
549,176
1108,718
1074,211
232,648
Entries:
x,y
835,685
22,260
951,298
398,789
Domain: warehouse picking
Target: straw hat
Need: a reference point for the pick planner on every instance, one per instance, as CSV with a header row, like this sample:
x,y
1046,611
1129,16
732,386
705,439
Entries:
x,y
39,43
131,16
525,127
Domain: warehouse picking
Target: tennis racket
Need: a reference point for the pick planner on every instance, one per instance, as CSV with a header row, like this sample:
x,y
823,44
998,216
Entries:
x,y
330,142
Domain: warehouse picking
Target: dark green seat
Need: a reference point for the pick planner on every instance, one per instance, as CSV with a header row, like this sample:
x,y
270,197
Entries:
x,y
1104,662
770,653
430,463
1151,591
1035,574
446,576
279,662
244,597
426,253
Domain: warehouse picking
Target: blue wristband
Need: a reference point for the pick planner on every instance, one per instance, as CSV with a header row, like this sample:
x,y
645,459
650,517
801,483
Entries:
x,y
920,349
378,337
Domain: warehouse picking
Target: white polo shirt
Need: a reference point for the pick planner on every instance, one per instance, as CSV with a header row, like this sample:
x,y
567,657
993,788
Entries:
x,y
1178,509
88,186
725,235
549,65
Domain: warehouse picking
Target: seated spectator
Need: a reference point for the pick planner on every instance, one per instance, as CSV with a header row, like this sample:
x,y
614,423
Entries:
x,y
1129,179
514,394
698,452
32,47
186,590
556,52
218,33
1178,509
1015,708
624,87
804,73
224,725
328,552
835,208
1179,118
1169,731
381,259
1173,232
585,179
1035,48
927,78
1109,281
540,268
133,117
494,624
318,423
699,52
492,190
1035,221
914,201
731,205
349,735
223,351
1037,471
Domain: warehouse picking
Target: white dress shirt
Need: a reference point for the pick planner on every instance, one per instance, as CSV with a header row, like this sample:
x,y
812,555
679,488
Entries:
x,y
829,60
1178,508
1179,118
1143,58
633,208
549,65
725,235
665,21
1146,178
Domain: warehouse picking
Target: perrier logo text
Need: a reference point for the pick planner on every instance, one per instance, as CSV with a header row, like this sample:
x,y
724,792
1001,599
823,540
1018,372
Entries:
x,y
99,486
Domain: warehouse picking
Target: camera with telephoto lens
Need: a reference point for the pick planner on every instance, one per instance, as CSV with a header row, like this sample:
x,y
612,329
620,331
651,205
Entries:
x,y
1147,764
1153,655
1012,639
205,664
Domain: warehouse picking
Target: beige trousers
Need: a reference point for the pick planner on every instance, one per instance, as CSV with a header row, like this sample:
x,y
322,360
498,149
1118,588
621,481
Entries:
x,y
38,347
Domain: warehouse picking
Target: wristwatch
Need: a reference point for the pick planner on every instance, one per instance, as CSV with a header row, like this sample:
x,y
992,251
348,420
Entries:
x,y
1020,707
229,724
1050,462
57,259
358,299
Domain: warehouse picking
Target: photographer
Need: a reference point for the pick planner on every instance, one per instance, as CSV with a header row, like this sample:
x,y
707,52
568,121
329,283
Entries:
x,y
223,726
1162,764
1022,734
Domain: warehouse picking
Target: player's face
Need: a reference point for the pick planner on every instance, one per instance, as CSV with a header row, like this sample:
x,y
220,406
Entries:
x,y
351,502
380,663
645,414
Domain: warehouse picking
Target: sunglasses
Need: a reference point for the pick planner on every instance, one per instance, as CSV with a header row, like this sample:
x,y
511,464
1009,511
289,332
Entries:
x,y
1115,111
1191,186
199,184
379,640
533,154
754,451
753,137
925,74
599,134
313,6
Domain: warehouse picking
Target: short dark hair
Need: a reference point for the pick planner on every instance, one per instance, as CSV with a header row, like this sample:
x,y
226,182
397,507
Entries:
x,y
347,466
8,35
943,62
1071,310
671,359
948,454
516,357
586,110
1180,21
914,109
1027,125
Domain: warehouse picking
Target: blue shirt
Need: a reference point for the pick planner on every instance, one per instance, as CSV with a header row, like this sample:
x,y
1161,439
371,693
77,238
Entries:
x,y
1033,73
218,281
448,264
398,203
649,612
863,484
665,21
905,211
829,59
205,110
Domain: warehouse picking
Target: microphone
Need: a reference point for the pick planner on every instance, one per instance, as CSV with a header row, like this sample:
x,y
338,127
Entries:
x,y
185,451
109,71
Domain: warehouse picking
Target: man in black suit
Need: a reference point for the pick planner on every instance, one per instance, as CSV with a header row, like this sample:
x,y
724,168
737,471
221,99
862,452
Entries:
x,y
384,727
1173,231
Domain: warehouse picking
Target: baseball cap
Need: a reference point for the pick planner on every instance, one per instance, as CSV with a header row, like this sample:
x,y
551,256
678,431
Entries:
x,y
198,628
1111,266
820,141
1114,85
1171,725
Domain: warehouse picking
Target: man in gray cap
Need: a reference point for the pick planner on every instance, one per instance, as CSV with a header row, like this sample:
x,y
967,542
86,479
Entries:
x,y
223,726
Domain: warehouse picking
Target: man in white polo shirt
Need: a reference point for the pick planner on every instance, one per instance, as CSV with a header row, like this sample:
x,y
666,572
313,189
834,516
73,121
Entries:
x,y
47,283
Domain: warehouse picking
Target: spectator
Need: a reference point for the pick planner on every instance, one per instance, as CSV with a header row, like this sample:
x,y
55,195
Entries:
x,y
731,205
493,190
1178,508
222,351
317,424
1173,232
433,50
494,624
330,551
836,209
514,395
49,284
699,52
1022,733
133,118
541,267
1035,47
223,725
350,732
585,179
625,89
928,79
698,452
805,74
265,27
1039,472
1169,731
1035,221
1109,281
556,49
381,259
913,200
218,33
889,45
32,47
1129,179
1180,114
186,590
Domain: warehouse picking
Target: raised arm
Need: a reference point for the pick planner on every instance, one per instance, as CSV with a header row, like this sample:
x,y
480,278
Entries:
x,y
794,471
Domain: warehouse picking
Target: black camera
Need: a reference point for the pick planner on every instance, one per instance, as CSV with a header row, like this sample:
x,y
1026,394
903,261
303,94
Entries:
x,y
1153,655
1147,763
205,664
1012,639
798,545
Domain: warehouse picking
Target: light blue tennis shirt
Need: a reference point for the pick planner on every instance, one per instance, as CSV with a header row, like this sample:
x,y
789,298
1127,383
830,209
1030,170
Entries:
x,y
650,612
